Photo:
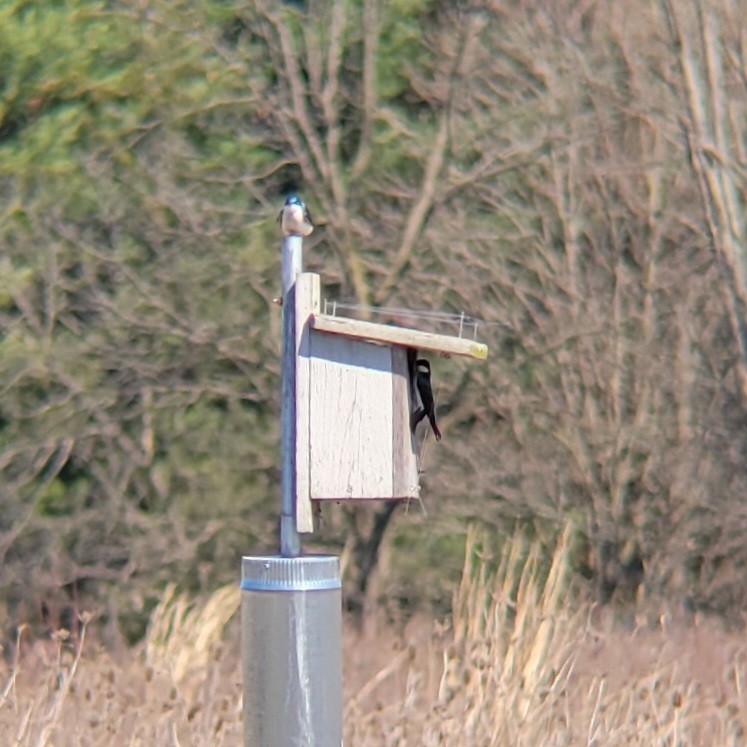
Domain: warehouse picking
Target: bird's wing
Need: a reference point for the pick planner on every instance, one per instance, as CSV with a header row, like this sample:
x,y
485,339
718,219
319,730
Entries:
x,y
280,215
307,214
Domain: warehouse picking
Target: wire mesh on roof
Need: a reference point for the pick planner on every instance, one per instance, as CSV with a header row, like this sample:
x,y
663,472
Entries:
x,y
460,325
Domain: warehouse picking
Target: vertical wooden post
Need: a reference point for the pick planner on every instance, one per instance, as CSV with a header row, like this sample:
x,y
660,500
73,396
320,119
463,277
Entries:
x,y
307,303
291,264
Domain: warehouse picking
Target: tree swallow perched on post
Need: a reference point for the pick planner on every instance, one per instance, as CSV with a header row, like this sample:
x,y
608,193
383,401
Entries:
x,y
423,383
295,217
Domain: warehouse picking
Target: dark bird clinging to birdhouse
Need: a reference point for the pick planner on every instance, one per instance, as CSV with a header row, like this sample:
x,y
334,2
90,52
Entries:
x,y
425,391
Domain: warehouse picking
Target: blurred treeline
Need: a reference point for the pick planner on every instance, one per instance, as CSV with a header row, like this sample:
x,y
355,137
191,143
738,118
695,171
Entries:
x,y
572,172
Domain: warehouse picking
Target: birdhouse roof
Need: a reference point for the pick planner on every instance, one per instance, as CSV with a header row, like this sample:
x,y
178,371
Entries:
x,y
391,335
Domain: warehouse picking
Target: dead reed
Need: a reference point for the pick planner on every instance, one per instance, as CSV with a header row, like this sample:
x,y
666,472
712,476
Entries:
x,y
523,661
530,664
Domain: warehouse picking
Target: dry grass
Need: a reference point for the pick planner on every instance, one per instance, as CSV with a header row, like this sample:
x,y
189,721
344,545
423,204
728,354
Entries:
x,y
519,664
182,688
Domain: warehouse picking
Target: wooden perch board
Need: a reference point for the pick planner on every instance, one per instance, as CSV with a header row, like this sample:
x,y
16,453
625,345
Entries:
x,y
389,335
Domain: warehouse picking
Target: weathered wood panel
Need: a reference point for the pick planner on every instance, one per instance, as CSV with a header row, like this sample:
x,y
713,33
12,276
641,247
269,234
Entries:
x,y
350,427
405,482
307,303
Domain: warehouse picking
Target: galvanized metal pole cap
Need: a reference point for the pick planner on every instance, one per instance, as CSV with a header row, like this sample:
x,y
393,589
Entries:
x,y
277,573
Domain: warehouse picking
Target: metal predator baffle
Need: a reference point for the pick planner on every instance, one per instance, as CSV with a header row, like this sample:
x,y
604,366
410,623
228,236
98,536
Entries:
x,y
291,653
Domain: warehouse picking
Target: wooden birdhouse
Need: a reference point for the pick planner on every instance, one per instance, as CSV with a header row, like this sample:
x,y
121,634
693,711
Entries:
x,y
355,395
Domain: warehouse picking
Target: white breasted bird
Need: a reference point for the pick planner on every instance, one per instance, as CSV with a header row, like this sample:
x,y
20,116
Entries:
x,y
295,217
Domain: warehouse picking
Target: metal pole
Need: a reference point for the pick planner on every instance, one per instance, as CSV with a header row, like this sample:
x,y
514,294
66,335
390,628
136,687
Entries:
x,y
291,605
291,610
291,263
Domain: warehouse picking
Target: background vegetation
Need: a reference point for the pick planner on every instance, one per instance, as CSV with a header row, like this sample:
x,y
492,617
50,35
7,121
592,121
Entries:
x,y
573,173
512,665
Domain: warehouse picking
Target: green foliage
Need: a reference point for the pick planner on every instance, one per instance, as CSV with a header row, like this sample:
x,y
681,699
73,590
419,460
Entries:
x,y
428,565
135,331
526,168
